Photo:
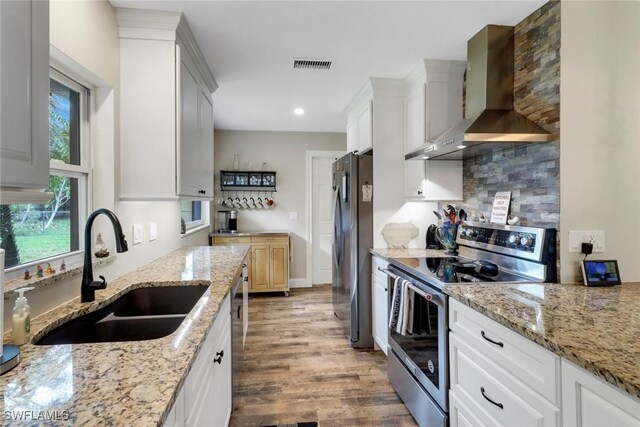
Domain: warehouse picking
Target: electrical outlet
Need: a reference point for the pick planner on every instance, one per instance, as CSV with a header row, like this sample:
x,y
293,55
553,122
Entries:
x,y
577,237
137,234
153,231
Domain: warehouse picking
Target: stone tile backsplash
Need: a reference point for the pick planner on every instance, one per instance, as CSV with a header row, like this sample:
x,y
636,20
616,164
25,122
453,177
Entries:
x,y
531,172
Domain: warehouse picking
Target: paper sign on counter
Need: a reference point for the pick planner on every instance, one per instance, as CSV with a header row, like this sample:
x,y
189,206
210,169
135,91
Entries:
x,y
500,210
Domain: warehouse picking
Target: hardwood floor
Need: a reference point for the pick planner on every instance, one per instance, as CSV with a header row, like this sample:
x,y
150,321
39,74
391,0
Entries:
x,y
298,366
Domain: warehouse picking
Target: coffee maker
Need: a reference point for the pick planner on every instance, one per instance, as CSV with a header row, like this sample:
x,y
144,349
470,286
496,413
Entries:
x,y
228,221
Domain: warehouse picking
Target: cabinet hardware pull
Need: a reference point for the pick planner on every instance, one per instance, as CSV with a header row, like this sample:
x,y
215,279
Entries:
x,y
498,343
484,394
219,356
419,193
239,307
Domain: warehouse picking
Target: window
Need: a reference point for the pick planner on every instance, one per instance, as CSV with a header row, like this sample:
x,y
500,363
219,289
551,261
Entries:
x,y
194,214
32,233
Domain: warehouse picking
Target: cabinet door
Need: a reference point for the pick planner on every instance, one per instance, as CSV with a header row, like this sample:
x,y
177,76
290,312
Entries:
x,y
205,152
279,266
352,135
221,390
380,305
414,118
365,130
587,401
24,89
260,260
414,179
443,180
188,153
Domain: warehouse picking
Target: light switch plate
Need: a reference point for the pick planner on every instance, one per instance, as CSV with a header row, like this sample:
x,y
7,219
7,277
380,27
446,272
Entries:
x,y
153,231
137,234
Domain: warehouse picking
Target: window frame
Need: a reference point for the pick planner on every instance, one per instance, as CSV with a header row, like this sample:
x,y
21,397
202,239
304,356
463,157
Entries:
x,y
81,172
204,216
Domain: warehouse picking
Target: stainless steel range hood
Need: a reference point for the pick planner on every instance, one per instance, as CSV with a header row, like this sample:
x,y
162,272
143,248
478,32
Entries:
x,y
490,123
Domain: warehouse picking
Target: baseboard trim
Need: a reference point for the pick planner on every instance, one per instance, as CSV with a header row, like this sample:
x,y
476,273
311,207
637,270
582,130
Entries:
x,y
299,283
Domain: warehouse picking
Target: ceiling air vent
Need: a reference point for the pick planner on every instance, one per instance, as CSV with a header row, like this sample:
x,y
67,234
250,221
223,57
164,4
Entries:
x,y
311,64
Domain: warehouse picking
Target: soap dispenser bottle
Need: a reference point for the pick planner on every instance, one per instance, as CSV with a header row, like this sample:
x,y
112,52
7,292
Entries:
x,y
21,318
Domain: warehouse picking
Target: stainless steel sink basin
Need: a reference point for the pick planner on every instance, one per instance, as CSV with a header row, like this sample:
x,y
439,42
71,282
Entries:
x,y
140,314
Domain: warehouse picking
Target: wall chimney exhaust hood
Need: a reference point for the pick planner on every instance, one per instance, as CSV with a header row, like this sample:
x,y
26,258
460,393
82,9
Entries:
x,y
490,124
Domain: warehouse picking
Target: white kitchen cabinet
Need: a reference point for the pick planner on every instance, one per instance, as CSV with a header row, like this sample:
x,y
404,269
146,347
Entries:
x,y
497,377
360,124
379,303
588,401
166,114
205,399
432,104
24,79
365,130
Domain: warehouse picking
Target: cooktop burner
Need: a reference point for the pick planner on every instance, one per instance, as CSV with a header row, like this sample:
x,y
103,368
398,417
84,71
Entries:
x,y
456,270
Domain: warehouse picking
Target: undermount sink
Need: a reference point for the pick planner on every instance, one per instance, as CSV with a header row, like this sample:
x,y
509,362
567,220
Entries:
x,y
140,314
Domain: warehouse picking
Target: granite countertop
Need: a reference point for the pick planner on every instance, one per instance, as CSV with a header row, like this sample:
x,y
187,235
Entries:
x,y
387,253
249,233
596,328
121,383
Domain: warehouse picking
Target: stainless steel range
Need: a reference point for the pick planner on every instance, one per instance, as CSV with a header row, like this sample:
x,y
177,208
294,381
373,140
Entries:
x,y
418,358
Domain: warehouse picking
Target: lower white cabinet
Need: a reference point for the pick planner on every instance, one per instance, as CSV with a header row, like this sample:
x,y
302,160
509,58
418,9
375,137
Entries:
x,y
205,398
500,378
497,377
588,401
379,302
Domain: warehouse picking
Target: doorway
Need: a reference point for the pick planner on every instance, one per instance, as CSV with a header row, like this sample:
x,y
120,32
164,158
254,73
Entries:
x,y
320,215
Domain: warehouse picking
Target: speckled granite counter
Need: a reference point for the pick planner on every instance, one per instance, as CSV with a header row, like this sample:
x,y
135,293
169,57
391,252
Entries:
x,y
121,383
386,253
250,233
596,328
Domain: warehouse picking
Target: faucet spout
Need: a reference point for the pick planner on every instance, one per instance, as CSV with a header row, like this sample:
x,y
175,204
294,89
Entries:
x,y
89,286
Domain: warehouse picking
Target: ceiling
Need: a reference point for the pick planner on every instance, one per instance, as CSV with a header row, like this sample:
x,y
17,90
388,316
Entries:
x,y
250,47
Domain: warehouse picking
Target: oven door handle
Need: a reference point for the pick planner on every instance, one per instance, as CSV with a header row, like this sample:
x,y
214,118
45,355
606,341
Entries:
x,y
436,298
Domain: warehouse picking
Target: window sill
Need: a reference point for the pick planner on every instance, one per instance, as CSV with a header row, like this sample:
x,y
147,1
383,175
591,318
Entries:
x,y
73,269
195,230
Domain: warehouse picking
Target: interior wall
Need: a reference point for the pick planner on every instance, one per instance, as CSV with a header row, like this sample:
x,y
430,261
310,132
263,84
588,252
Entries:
x,y
86,33
284,153
600,94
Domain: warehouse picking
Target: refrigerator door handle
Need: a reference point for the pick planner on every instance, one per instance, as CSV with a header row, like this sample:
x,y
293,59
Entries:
x,y
355,315
337,229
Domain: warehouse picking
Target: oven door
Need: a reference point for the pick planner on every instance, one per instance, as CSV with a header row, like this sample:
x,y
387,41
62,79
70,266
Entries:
x,y
423,348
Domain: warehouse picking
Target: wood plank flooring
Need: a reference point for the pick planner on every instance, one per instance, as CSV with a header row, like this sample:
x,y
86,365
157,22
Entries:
x,y
298,366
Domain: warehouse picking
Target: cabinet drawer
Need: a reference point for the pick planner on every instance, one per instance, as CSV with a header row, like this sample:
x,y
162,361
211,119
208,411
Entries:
x,y
269,239
222,240
527,361
503,399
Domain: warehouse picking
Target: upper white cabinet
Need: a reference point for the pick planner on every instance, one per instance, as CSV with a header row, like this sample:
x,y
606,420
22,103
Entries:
x,y
360,124
432,104
166,113
24,102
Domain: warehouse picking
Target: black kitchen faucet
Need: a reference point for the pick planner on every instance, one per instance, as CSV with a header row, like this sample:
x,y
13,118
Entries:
x,y
89,286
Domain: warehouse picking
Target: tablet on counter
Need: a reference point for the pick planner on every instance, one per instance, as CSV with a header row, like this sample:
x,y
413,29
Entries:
x,y
600,273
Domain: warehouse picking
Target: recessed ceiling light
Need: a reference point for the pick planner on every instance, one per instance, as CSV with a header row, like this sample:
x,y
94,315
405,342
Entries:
x,y
299,111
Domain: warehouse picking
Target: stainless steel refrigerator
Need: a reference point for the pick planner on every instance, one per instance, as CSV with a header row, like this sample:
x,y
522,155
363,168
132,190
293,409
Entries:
x,y
352,239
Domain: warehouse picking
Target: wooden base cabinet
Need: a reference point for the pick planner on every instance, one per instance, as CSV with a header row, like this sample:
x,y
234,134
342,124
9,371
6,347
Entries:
x,y
205,398
268,262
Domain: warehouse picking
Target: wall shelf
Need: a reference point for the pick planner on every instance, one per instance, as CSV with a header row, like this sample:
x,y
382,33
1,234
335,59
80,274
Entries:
x,y
247,181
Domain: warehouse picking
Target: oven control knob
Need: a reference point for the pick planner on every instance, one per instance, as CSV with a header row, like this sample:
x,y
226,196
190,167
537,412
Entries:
x,y
513,238
526,241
